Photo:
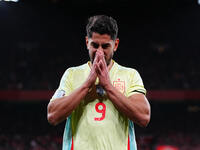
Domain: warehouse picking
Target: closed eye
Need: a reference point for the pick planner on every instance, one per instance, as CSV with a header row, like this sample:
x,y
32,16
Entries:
x,y
95,45
104,46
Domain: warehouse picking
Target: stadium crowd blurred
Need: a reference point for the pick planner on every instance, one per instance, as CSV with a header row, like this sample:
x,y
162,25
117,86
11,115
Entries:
x,y
164,49
160,68
25,126
26,129
163,46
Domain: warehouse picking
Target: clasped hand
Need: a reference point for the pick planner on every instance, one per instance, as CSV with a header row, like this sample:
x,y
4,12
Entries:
x,y
99,69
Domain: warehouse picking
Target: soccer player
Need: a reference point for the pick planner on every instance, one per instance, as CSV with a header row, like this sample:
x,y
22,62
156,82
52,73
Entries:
x,y
100,100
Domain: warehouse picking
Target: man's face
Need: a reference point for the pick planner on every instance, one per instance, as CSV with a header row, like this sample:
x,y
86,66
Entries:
x,y
102,43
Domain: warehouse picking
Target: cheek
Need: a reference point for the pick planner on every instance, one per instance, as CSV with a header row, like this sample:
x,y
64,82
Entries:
x,y
92,52
108,53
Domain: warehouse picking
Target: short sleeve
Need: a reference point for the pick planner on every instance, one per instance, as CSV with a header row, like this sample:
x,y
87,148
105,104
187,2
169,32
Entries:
x,y
136,84
65,87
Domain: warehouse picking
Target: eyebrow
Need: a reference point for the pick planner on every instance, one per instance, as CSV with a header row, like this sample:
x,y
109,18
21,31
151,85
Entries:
x,y
105,45
94,44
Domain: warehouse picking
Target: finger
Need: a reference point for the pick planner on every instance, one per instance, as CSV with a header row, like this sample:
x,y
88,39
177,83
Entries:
x,y
101,65
101,55
95,59
104,62
97,69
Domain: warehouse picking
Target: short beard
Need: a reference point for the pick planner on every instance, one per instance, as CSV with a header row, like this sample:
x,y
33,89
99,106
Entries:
x,y
109,61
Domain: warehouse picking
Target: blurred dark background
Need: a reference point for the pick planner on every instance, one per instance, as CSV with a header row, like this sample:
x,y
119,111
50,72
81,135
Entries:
x,y
39,40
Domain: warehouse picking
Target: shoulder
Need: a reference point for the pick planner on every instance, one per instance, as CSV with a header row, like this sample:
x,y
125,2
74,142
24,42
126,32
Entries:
x,y
76,69
126,69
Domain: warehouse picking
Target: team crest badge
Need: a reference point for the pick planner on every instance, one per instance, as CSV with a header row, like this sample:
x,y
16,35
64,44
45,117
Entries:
x,y
119,85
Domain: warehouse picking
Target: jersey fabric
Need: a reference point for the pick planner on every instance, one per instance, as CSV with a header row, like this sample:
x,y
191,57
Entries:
x,y
96,124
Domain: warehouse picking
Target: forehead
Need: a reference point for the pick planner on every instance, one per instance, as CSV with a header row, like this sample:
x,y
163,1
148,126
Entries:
x,y
100,38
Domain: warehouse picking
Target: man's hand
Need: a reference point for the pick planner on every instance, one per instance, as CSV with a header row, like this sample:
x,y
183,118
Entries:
x,y
93,75
102,69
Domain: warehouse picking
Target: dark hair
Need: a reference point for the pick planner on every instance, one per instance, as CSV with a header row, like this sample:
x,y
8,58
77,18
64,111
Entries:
x,y
102,24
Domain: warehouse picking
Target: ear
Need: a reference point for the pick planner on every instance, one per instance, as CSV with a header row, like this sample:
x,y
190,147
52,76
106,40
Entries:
x,y
116,44
86,41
